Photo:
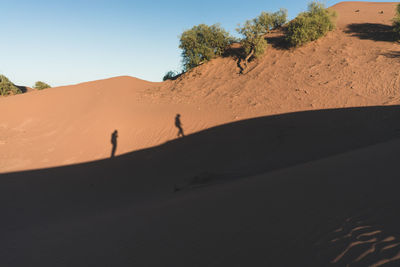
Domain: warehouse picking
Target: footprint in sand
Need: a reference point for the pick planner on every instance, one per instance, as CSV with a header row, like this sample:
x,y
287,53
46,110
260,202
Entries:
x,y
361,244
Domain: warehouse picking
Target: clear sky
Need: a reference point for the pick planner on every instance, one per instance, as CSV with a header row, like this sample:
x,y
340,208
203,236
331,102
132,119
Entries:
x,y
64,42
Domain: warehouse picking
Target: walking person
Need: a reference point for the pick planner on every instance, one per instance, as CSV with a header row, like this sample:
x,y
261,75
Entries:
x,y
114,137
178,125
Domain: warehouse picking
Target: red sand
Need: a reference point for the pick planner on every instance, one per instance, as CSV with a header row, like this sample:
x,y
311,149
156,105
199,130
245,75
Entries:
x,y
314,188
73,124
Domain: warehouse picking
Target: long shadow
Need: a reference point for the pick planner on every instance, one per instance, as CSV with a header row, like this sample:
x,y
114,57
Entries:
x,y
67,195
226,152
371,31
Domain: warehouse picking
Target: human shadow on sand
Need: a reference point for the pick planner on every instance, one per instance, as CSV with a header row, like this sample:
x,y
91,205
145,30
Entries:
x,y
114,139
75,195
230,151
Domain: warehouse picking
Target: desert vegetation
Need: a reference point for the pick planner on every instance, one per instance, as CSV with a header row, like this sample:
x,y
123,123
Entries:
x,y
253,41
272,21
41,85
7,87
310,25
203,43
170,75
253,31
396,23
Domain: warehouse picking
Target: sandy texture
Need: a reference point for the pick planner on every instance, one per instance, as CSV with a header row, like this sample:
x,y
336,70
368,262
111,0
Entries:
x,y
356,65
313,188
277,169
73,124
349,67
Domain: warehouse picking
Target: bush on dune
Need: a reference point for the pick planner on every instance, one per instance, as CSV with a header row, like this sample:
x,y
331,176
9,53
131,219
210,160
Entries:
x,y
203,43
41,85
253,31
170,75
7,87
311,25
253,41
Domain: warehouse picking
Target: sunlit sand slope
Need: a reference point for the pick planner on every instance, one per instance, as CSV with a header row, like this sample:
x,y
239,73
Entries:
x,y
355,65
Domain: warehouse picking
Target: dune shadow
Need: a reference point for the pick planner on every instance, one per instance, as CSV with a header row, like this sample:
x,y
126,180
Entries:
x,y
233,151
220,154
371,31
365,240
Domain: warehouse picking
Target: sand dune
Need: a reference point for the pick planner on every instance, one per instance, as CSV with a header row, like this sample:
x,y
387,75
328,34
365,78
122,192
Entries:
x,y
293,163
318,191
73,124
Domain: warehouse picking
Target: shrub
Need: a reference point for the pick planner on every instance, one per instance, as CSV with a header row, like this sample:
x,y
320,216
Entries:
x,y
253,41
396,23
7,87
311,25
272,20
203,43
41,85
170,75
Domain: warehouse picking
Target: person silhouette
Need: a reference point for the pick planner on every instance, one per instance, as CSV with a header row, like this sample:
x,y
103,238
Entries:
x,y
114,137
178,125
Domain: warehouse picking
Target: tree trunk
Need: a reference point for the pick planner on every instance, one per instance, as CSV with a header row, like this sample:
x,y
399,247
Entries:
x,y
245,61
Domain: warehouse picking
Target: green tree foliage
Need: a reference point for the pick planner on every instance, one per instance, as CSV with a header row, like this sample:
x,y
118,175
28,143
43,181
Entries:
x,y
253,41
396,23
203,43
311,25
7,87
272,20
253,31
170,75
41,85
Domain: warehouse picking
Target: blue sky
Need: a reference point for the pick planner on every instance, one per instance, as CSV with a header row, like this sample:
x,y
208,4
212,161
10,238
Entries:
x,y
64,42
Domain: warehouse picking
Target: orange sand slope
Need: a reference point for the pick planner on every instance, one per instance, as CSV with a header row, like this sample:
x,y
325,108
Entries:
x,y
268,176
314,188
356,65
73,124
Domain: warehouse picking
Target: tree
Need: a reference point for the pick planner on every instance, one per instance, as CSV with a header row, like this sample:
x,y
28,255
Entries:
x,y
311,25
170,75
280,18
270,21
253,31
203,43
253,42
7,87
41,85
